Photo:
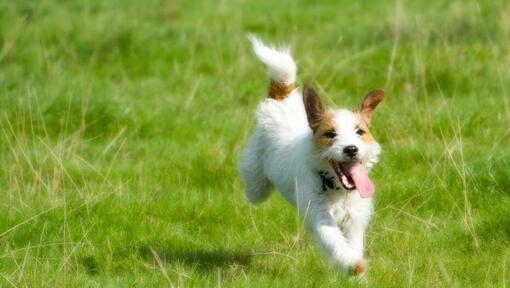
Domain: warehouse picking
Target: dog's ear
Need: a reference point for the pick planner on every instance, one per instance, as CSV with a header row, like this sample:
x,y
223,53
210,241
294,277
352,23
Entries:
x,y
370,101
313,106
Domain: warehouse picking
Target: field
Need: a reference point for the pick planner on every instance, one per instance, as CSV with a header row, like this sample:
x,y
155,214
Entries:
x,y
121,123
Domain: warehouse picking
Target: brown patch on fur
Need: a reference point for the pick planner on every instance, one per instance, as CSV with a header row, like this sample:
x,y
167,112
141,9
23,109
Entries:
x,y
279,90
367,136
326,123
370,101
313,106
357,268
319,120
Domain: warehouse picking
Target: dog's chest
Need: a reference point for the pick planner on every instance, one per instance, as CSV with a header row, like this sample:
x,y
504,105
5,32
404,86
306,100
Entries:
x,y
340,211
336,197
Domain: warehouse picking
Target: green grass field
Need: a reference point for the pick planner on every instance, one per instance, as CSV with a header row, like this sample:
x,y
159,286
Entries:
x,y
121,123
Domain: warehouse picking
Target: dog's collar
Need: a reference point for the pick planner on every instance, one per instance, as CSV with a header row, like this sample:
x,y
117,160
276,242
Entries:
x,y
328,181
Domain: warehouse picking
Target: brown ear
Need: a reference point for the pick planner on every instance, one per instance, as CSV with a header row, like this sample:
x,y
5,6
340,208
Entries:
x,y
313,106
367,106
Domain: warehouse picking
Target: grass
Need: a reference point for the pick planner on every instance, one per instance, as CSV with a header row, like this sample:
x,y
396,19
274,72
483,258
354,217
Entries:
x,y
121,123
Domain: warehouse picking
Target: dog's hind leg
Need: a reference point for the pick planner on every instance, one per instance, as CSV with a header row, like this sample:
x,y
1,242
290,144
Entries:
x,y
257,186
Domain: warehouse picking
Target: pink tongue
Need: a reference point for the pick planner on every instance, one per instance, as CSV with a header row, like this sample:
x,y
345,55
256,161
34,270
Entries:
x,y
363,184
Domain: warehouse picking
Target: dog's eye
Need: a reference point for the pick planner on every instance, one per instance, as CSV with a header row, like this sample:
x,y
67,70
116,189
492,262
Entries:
x,y
330,134
360,131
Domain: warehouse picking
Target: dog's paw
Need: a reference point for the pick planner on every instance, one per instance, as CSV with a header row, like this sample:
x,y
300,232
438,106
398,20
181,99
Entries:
x,y
358,268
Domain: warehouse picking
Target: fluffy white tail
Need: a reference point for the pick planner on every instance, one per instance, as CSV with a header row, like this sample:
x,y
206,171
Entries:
x,y
282,68
279,61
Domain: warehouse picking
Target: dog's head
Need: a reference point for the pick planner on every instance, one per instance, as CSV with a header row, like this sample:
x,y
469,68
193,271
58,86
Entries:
x,y
343,143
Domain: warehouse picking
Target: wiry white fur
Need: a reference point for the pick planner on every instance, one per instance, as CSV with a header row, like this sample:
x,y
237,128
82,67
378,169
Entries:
x,y
282,67
280,153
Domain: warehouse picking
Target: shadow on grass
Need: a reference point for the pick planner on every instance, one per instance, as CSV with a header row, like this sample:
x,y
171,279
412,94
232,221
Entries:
x,y
203,260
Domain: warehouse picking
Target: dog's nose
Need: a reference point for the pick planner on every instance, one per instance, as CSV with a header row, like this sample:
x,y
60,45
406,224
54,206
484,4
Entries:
x,y
350,150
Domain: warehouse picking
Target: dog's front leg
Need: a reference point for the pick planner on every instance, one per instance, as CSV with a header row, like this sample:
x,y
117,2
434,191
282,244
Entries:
x,y
358,216
355,234
331,238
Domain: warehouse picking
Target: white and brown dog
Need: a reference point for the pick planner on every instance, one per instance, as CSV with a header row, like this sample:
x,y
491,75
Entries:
x,y
317,158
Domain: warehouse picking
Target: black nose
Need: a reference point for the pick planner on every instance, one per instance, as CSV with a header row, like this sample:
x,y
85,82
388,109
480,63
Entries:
x,y
350,150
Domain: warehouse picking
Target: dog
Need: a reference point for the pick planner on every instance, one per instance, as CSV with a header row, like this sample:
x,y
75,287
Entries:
x,y
317,158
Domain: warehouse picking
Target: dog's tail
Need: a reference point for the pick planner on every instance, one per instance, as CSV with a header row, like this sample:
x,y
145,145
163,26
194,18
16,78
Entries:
x,y
282,68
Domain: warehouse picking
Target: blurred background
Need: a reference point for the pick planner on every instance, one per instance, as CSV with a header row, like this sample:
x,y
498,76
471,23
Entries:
x,y
121,123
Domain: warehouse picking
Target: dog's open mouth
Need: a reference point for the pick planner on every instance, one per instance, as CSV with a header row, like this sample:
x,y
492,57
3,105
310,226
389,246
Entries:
x,y
343,173
352,175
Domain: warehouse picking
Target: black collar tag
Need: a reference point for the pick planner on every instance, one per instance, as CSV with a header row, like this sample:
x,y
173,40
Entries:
x,y
328,182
